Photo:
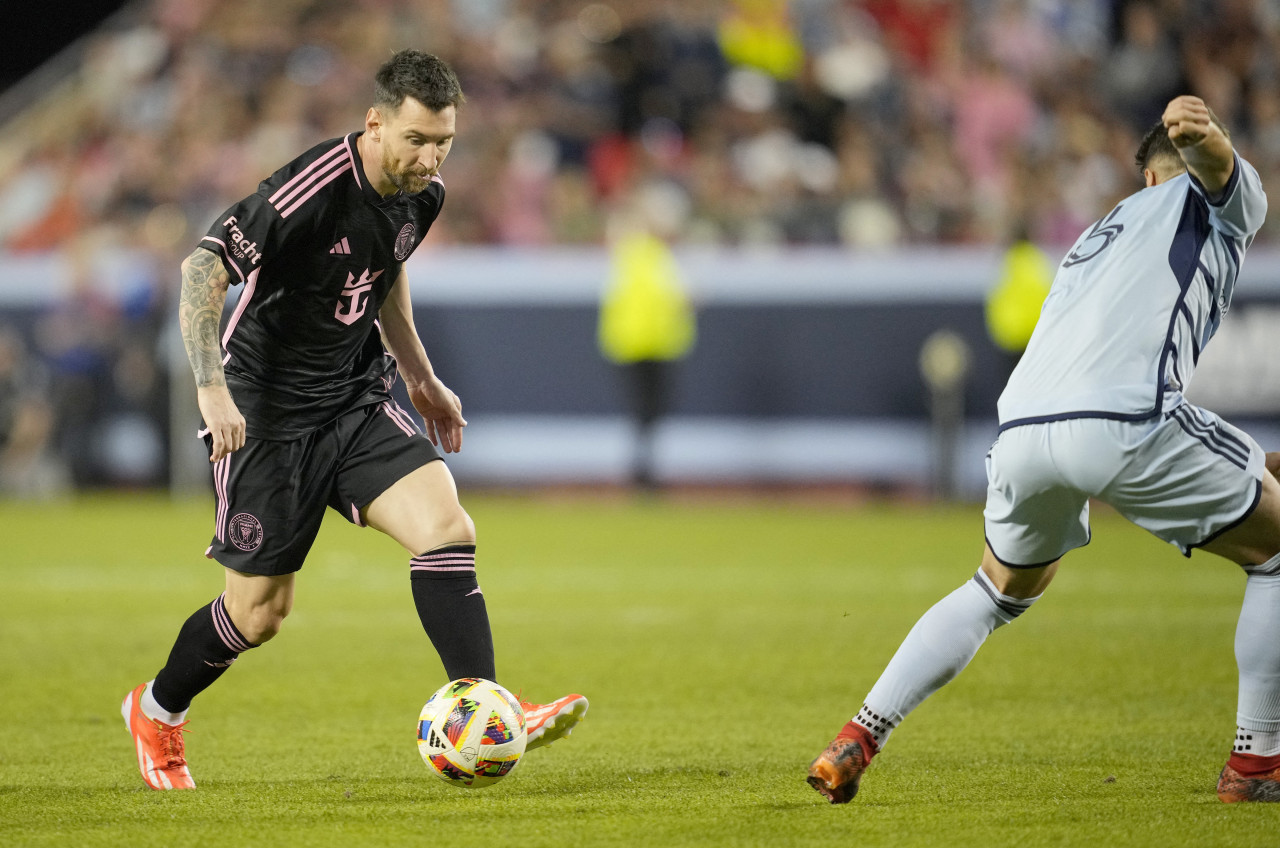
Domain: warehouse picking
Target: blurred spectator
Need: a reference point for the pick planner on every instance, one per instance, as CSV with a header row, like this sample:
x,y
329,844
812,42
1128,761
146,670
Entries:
x,y
1014,302
578,102
27,468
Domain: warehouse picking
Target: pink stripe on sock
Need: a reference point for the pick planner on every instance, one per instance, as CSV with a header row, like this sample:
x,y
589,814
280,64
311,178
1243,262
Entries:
x,y
227,631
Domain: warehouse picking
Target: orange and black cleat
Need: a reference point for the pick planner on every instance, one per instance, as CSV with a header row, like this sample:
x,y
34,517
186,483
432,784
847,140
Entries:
x,y
1249,778
837,770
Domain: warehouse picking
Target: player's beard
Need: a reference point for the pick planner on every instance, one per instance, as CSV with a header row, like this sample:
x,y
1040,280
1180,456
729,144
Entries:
x,y
406,181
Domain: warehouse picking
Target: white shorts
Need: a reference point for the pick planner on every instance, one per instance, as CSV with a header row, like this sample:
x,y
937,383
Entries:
x,y
1186,477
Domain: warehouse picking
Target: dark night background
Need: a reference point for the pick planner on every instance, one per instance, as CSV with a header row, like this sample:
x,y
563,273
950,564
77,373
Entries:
x,y
37,29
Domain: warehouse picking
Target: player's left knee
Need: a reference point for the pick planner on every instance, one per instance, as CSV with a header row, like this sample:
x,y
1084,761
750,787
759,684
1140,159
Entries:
x,y
447,527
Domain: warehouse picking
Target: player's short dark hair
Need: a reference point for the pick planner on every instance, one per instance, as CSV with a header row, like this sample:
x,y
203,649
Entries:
x,y
1156,145
422,76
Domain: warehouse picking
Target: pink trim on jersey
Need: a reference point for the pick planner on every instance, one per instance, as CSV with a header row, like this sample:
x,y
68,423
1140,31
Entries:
x,y
202,432
226,254
347,166
400,417
208,552
294,185
435,178
355,516
355,172
250,285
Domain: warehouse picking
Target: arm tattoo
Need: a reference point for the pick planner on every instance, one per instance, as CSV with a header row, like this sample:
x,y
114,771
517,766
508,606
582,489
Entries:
x,y
204,292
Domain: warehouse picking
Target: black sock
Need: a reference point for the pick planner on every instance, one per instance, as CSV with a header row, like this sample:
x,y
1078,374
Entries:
x,y
452,610
207,645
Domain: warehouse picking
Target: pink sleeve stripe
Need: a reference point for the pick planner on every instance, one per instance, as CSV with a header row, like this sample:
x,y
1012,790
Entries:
x,y
346,166
413,568
250,286
226,254
321,163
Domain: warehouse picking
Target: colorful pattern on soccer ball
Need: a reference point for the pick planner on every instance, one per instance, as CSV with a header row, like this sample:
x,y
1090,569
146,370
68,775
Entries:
x,y
471,732
459,719
495,768
499,730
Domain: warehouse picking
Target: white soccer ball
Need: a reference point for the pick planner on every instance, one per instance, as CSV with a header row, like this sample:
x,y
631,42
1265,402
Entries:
x,y
471,732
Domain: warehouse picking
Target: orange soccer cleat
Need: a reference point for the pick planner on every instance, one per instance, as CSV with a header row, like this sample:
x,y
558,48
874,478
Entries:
x,y
159,746
545,723
837,771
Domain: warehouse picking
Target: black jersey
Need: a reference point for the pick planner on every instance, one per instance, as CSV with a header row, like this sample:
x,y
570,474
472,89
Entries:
x,y
317,249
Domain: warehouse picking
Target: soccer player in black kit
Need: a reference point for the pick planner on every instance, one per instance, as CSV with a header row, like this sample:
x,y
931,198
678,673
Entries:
x,y
297,403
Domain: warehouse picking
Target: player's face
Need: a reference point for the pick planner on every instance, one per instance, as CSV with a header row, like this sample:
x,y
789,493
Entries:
x,y
415,141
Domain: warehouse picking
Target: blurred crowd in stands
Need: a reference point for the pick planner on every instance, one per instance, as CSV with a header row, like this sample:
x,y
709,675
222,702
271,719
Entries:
x,y
863,124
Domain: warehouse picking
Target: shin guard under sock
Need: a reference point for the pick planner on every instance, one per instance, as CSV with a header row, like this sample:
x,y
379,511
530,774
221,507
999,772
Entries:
x,y
207,645
940,645
1257,648
452,610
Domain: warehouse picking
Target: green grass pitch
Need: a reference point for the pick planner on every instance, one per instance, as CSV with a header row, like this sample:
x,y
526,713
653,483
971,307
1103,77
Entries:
x,y
721,642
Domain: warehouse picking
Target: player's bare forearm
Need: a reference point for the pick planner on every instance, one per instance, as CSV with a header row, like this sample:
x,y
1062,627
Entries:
x,y
1201,142
204,293
401,336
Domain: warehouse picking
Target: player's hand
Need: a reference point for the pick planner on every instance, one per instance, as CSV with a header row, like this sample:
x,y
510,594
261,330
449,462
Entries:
x,y
1187,120
223,418
441,412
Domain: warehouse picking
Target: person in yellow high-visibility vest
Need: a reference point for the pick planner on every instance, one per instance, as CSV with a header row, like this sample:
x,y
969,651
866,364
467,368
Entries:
x,y
1013,305
646,324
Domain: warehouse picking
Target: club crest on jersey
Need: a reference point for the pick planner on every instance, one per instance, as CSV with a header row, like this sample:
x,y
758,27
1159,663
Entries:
x,y
405,241
355,296
245,531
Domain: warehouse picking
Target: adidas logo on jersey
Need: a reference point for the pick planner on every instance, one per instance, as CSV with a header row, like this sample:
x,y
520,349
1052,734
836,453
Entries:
x,y
341,247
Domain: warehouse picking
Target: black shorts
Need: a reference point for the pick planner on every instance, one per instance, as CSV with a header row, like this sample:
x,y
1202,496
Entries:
x,y
271,495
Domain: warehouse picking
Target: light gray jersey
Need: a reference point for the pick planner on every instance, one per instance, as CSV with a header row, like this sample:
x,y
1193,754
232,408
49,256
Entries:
x,y
1135,302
